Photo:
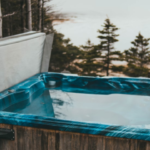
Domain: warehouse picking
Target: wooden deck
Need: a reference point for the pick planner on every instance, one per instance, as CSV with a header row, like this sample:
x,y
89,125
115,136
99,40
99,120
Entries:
x,y
27,138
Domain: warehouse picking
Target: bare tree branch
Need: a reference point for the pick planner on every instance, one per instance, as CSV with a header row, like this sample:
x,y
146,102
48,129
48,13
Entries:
x,y
4,16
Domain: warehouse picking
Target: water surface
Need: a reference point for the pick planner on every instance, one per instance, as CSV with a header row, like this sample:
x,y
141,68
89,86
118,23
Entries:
x,y
120,109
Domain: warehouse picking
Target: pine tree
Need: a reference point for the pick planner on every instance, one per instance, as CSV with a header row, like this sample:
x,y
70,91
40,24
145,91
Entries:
x,y
63,54
138,56
141,47
90,66
108,38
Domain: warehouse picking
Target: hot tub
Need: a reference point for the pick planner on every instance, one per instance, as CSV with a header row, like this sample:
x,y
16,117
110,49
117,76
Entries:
x,y
52,111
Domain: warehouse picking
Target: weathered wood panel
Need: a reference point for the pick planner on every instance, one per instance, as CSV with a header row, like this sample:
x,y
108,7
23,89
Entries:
x,y
52,140
100,143
36,139
65,141
133,144
84,142
75,141
141,145
27,138
92,143
148,146
123,144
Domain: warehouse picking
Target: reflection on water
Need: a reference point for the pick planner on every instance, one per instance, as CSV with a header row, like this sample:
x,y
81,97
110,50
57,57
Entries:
x,y
39,103
109,109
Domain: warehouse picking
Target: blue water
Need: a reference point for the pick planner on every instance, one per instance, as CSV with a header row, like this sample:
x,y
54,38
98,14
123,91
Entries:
x,y
120,109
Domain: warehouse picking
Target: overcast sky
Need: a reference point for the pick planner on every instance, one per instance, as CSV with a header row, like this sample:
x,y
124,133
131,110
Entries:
x,y
131,16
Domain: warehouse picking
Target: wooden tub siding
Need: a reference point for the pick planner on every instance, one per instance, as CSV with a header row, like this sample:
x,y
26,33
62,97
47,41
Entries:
x,y
28,138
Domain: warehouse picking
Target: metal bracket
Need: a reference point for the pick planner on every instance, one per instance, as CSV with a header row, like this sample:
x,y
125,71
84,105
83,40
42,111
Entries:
x,y
8,134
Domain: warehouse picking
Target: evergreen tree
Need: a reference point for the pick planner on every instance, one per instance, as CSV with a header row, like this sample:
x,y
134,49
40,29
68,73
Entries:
x,y
108,38
90,65
138,57
63,54
139,53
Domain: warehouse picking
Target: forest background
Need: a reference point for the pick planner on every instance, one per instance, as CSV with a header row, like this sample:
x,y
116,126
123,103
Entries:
x,y
19,16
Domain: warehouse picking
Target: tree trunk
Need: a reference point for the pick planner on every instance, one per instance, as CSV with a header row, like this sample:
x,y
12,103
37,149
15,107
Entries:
x,y
9,18
22,5
39,15
29,12
0,21
108,59
42,15
142,56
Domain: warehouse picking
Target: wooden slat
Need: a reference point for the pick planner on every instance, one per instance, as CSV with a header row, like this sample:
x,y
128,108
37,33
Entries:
x,y
108,143
148,146
100,143
84,142
44,140
133,144
36,139
57,140
65,141
104,143
52,140
121,144
75,141
92,142
27,138
141,145
20,138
